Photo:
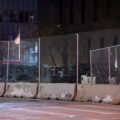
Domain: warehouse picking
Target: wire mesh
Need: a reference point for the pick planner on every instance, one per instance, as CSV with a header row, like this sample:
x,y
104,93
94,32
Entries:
x,y
3,58
115,65
100,66
58,59
23,62
105,65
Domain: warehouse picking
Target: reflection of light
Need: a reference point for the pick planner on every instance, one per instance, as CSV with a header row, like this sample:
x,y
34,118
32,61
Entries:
x,y
116,64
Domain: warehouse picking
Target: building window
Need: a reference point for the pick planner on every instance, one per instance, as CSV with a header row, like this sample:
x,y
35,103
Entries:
x,y
95,10
11,17
89,44
71,11
5,16
1,18
21,17
115,40
108,10
30,55
89,47
60,11
101,42
16,16
83,11
31,19
26,15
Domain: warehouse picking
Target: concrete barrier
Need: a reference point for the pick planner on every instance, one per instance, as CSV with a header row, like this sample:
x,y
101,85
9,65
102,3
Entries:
x,y
26,90
2,87
60,91
88,92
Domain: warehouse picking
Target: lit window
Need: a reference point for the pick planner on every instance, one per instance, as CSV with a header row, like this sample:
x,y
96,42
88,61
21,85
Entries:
x,y
1,19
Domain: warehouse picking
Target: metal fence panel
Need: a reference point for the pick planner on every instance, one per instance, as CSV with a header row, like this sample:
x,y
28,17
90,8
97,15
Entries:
x,y
58,59
105,65
51,60
3,61
115,65
23,62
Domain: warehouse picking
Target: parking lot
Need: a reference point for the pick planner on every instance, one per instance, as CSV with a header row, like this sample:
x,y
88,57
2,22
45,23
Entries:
x,y
29,109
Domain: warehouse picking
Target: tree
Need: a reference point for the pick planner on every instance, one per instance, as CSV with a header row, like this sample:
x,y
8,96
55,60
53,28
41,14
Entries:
x,y
61,50
3,51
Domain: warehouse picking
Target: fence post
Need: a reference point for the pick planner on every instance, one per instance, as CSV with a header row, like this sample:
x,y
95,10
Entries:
x,y
109,64
39,58
91,70
7,70
37,90
77,69
8,63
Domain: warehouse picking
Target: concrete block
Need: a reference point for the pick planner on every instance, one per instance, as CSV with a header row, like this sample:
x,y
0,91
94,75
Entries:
x,y
59,91
88,92
26,90
2,87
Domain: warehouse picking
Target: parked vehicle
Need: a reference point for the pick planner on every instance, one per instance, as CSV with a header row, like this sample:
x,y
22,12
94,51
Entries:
x,y
60,76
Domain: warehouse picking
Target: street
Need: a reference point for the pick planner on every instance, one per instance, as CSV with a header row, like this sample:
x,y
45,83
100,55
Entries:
x,y
22,109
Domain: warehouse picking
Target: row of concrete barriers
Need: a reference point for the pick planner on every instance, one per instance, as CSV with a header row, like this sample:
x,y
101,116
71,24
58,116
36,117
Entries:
x,y
61,91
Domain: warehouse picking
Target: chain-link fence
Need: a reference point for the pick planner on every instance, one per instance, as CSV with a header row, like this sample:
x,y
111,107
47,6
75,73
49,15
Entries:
x,y
105,65
58,59
3,58
19,62
46,60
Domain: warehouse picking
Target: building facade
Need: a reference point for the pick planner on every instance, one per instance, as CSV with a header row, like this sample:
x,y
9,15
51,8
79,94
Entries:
x,y
15,15
97,17
57,16
68,16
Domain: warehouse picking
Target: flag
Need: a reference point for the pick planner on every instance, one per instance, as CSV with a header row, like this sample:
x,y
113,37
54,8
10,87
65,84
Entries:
x,y
17,39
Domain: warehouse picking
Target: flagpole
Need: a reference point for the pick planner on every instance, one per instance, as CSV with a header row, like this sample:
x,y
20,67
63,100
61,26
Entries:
x,y
8,63
39,58
19,46
19,52
7,70
17,42
77,68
